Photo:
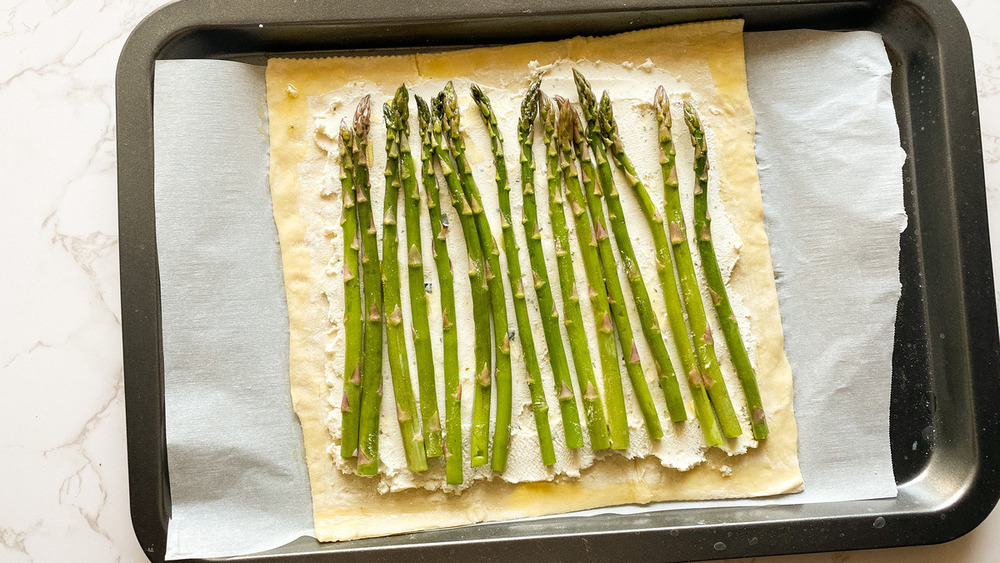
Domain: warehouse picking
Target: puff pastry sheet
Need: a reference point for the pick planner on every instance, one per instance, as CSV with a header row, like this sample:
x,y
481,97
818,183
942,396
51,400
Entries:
x,y
347,506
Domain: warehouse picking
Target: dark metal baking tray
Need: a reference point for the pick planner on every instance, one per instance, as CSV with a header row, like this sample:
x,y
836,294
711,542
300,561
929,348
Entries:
x,y
946,343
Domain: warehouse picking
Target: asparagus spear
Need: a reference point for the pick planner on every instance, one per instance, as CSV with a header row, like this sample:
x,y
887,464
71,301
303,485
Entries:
x,y
539,405
498,300
439,225
703,232
616,297
429,416
479,439
593,409
399,366
704,346
350,407
689,361
371,362
597,281
546,305
647,317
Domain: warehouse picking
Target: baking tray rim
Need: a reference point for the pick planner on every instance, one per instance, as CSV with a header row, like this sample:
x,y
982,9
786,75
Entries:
x,y
972,500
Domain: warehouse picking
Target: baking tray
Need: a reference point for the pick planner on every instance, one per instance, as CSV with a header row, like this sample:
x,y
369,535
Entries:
x,y
946,344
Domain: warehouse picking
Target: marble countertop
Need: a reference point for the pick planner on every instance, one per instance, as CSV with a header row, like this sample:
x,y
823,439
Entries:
x,y
63,475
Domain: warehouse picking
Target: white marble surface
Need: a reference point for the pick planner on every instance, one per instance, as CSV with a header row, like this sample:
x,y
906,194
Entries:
x,y
63,479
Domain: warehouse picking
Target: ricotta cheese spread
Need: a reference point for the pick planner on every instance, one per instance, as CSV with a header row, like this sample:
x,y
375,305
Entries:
x,y
701,63
631,88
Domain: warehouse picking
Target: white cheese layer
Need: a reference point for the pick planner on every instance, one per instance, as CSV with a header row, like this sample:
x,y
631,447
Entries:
x,y
631,88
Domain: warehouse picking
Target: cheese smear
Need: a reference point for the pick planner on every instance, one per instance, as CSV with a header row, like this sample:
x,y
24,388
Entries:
x,y
631,85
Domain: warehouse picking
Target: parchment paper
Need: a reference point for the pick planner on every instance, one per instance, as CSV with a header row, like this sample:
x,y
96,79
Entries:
x,y
831,178
238,481
830,174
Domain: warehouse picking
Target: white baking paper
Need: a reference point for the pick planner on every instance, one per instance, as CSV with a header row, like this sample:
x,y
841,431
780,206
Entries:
x,y
831,179
830,172
238,481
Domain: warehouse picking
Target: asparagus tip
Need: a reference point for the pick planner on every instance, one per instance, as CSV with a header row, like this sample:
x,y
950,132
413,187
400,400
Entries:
x,y
345,132
587,100
529,108
577,130
402,102
660,98
544,103
423,112
390,114
535,85
437,104
449,106
449,96
609,129
546,110
362,117
661,103
583,87
691,116
477,94
565,127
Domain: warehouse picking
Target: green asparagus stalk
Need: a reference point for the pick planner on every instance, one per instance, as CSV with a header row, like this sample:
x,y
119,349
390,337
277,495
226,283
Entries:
x,y
540,407
350,407
371,362
543,290
647,317
452,386
498,299
689,361
479,437
399,366
616,297
593,408
429,416
711,377
597,281
709,262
